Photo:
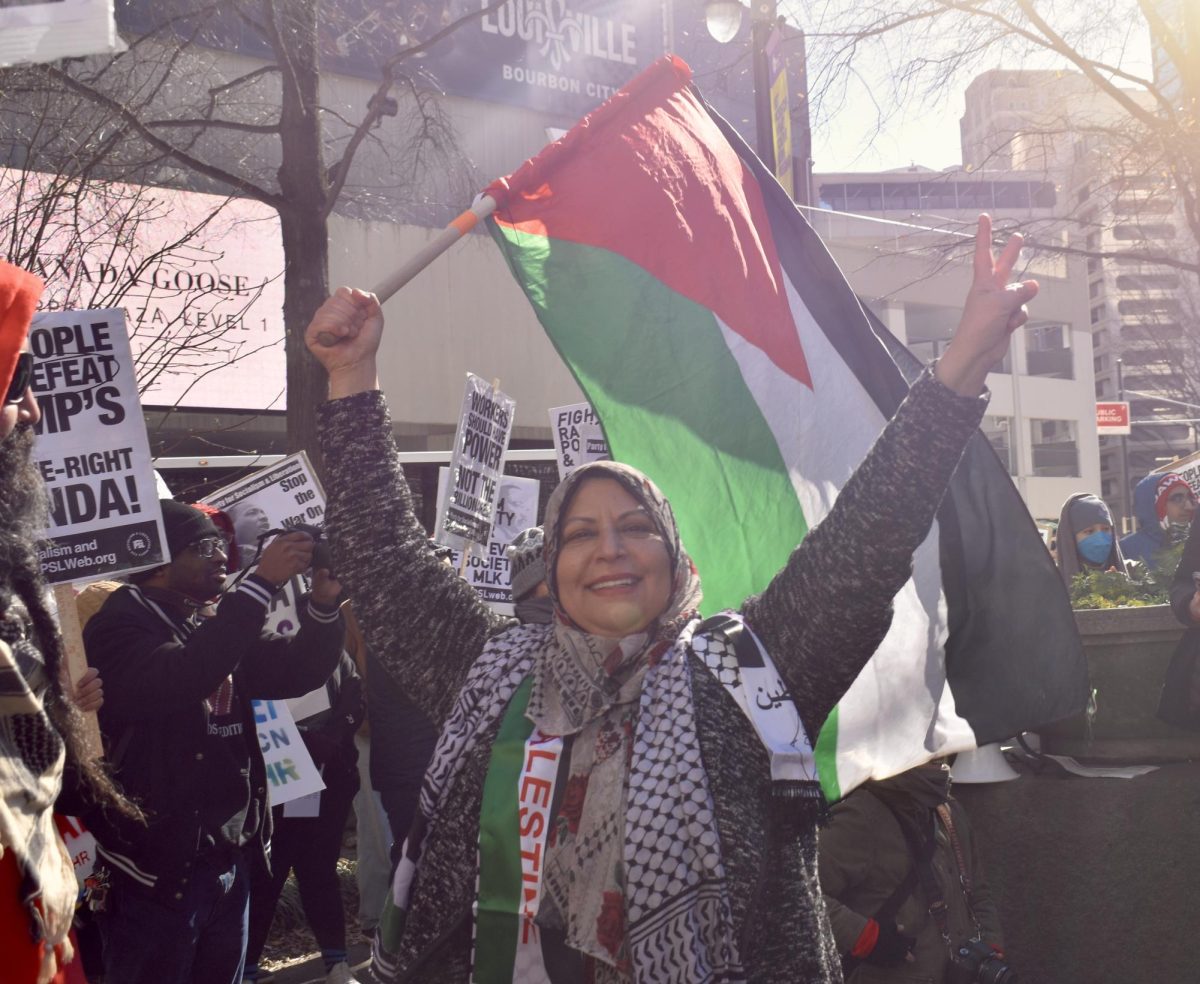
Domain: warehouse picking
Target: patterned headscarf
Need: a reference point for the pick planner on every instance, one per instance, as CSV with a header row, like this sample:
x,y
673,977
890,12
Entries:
x,y
589,686
588,674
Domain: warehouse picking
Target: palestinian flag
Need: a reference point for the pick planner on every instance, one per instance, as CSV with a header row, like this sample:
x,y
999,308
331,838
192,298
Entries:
x,y
728,358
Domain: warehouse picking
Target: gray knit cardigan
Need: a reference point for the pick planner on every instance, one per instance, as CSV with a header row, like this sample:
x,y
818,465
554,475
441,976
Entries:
x,y
821,618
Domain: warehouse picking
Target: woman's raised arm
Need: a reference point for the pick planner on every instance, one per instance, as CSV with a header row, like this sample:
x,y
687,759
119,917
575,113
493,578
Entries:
x,y
425,624
826,612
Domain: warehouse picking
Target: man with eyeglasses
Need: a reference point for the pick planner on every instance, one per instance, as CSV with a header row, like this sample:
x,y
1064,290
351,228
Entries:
x,y
180,735
1164,506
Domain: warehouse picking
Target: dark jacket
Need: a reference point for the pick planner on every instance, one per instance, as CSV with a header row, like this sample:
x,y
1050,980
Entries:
x,y
1069,561
821,618
1180,701
158,672
329,734
1149,540
864,856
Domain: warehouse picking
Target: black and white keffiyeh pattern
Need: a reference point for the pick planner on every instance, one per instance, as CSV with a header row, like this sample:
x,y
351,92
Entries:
x,y
32,754
680,926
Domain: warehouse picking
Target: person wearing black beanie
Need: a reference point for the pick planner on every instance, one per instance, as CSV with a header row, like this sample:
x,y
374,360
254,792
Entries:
x,y
181,734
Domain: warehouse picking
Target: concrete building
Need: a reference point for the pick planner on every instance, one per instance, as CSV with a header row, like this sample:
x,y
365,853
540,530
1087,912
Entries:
x,y
1042,419
509,82
1110,200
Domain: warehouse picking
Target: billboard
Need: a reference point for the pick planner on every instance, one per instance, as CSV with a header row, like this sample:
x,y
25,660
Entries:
x,y
563,57
199,278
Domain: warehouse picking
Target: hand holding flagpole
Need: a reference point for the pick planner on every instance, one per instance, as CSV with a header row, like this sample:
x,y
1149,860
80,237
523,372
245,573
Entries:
x,y
458,227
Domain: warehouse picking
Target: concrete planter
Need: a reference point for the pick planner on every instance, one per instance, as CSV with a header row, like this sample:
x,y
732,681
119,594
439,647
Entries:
x,y
1128,650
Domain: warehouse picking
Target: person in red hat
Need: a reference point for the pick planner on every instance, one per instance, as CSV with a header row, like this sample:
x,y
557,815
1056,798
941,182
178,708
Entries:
x,y
40,729
1164,506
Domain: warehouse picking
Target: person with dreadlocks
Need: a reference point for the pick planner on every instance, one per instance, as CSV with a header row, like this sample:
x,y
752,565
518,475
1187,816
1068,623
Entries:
x,y
41,731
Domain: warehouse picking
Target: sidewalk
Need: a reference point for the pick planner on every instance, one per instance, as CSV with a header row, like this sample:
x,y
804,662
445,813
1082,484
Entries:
x,y
313,972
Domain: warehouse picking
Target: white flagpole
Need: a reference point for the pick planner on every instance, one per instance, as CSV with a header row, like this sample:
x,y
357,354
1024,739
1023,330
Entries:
x,y
484,206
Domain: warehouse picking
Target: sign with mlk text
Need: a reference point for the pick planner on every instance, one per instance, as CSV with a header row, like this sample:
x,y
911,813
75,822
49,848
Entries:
x,y
465,512
291,772
91,449
516,510
578,437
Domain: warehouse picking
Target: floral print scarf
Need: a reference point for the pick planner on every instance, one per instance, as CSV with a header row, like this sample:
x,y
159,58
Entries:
x,y
589,687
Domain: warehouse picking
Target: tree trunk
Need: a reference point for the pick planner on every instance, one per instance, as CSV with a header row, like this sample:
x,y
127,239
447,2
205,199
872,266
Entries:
x,y
305,188
305,286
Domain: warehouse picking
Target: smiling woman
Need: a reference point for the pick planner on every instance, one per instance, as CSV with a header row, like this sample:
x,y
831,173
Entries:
x,y
613,573
607,801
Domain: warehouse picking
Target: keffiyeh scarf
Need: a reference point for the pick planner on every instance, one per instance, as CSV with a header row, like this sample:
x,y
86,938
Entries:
x,y
31,767
634,876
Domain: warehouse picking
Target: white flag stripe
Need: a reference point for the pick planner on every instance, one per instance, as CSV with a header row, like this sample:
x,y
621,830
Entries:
x,y
899,712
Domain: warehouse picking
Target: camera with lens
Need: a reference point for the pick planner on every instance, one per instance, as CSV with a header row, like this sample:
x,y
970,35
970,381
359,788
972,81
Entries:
x,y
974,962
322,552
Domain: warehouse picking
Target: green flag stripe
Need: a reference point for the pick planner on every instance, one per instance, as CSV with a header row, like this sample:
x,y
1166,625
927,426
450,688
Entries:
x,y
496,925
673,403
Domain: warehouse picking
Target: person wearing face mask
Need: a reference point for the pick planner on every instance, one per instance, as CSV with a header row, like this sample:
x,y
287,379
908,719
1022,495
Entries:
x,y
1164,506
892,850
1087,524
531,594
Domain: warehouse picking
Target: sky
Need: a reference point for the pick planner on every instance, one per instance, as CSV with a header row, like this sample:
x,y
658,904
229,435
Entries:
x,y
861,129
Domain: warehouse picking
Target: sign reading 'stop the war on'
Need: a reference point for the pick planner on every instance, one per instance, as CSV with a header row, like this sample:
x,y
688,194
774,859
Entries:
x,y
91,449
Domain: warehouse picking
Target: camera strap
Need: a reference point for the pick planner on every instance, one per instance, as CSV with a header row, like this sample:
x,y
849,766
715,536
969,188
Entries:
x,y
921,849
964,872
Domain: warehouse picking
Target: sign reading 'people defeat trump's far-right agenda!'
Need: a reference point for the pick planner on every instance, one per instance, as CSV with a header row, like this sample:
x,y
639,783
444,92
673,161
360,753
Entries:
x,y
91,449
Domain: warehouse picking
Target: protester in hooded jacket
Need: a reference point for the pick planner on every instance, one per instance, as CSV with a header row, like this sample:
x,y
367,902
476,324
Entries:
x,y
868,863
1085,538
1163,506
665,853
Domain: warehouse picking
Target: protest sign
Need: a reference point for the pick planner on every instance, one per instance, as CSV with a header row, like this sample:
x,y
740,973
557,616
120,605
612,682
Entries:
x,y
516,510
578,437
81,846
466,510
1187,468
281,496
47,30
92,451
290,769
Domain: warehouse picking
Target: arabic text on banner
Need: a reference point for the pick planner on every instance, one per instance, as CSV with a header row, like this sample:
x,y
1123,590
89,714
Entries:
x,y
92,450
466,511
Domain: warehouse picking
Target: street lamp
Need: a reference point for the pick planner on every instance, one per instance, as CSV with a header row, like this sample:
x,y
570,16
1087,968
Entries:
x,y
723,18
772,107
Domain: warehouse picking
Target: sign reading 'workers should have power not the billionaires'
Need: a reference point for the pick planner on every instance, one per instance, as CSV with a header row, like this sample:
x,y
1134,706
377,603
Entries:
x,y
91,449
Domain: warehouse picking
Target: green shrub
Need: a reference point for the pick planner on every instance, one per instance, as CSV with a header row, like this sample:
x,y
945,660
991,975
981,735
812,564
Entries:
x,y
1144,586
